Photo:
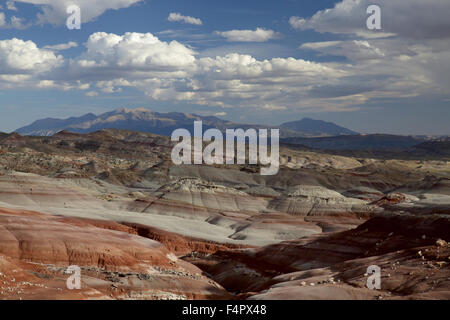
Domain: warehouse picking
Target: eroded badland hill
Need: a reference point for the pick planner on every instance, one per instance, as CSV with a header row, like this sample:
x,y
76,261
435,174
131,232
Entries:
x,y
139,227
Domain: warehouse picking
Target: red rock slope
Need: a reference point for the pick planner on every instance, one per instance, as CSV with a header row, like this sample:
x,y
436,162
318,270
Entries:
x,y
36,249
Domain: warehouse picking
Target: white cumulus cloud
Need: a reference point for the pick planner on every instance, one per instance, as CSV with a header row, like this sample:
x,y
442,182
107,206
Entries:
x,y
24,57
62,46
132,50
177,17
258,35
92,94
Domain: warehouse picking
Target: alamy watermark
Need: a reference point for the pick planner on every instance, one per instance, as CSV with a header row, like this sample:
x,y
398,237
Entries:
x,y
74,281
374,20
374,277
74,19
235,141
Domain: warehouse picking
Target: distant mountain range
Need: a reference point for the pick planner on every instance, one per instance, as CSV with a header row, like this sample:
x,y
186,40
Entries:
x,y
303,134
317,128
144,120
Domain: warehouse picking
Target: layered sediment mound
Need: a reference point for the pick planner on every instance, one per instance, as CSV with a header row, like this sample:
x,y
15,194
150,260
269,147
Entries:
x,y
36,249
412,252
307,200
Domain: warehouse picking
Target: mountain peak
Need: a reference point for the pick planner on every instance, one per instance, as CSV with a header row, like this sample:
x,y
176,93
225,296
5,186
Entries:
x,y
142,109
122,110
127,111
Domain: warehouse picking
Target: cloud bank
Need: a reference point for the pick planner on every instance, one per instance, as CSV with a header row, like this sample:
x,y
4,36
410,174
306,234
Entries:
x,y
406,64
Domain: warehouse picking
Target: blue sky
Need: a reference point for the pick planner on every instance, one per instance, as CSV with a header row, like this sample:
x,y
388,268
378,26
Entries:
x,y
248,61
